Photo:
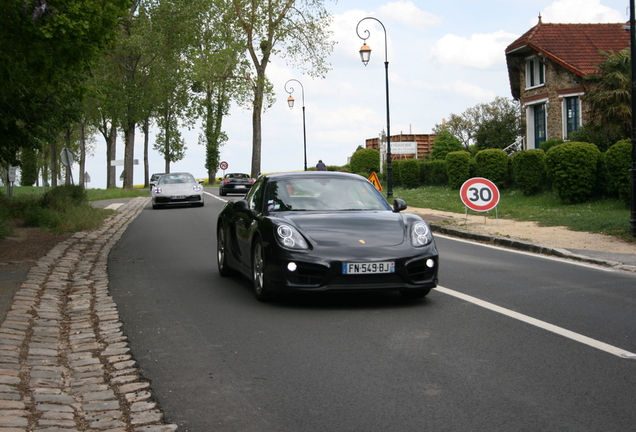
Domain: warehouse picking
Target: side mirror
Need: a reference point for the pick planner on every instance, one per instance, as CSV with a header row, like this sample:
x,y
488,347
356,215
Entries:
x,y
399,205
242,207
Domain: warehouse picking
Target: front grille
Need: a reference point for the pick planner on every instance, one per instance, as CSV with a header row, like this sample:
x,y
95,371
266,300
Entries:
x,y
306,274
418,271
166,200
367,279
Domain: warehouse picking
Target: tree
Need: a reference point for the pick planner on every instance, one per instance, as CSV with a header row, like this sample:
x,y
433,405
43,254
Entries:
x,y
493,125
610,99
293,29
47,50
445,142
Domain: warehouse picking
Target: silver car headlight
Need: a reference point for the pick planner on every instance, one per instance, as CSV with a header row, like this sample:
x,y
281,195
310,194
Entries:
x,y
289,237
420,234
156,190
197,188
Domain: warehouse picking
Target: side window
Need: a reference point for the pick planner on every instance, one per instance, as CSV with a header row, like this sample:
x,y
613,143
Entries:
x,y
254,197
535,72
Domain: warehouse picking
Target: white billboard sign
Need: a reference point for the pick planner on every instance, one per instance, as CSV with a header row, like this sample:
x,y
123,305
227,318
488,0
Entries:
x,y
404,147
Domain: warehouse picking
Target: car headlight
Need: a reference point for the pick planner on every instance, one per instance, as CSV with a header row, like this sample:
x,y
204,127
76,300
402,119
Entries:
x,y
197,188
420,234
289,237
156,190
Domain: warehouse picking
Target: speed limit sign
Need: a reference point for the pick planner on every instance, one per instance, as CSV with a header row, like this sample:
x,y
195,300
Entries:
x,y
479,194
223,165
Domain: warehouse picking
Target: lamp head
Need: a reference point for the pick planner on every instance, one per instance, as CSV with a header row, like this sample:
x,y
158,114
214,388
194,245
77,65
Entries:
x,y
290,101
365,53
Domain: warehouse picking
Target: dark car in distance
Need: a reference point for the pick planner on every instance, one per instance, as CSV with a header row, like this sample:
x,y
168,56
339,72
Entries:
x,y
235,183
324,231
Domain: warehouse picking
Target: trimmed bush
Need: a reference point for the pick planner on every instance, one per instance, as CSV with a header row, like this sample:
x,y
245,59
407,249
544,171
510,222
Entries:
x,y
573,168
60,197
445,142
365,161
396,166
528,170
493,165
433,173
618,161
457,168
548,144
410,173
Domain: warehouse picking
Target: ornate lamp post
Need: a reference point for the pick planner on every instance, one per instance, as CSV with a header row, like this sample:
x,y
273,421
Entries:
x,y
365,55
290,102
632,171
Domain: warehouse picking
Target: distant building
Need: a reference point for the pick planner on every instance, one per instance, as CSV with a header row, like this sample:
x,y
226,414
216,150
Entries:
x,y
546,67
400,147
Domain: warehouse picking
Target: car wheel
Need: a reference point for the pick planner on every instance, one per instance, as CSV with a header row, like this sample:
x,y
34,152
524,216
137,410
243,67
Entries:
x,y
258,273
221,192
221,254
415,294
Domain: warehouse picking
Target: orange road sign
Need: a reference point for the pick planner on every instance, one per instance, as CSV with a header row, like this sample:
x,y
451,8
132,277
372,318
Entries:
x,y
373,178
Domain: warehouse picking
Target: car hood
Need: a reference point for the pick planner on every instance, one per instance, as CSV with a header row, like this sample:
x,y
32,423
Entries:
x,y
351,228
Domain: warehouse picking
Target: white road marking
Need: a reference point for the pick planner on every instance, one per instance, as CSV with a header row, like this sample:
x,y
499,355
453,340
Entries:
x,y
541,324
533,254
214,196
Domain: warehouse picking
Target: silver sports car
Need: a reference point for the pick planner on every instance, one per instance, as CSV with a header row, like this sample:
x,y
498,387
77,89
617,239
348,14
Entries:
x,y
177,189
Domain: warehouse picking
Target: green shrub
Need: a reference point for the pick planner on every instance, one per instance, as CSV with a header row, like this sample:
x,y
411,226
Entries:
x,y
528,169
444,143
457,168
493,165
618,161
365,161
395,170
410,173
573,168
547,145
433,173
60,197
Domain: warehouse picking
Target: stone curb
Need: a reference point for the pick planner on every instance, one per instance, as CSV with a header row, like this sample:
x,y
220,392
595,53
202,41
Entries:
x,y
65,364
527,246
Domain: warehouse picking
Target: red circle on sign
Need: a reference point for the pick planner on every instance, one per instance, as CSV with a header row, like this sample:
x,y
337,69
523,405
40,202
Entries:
x,y
479,194
223,165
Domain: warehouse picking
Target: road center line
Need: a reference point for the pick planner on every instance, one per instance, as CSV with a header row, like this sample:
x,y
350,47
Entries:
x,y
541,324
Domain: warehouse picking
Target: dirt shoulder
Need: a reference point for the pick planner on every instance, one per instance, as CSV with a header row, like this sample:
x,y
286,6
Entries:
x,y
553,237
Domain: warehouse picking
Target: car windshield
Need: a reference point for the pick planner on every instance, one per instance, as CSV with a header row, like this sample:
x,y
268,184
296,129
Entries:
x,y
323,194
176,179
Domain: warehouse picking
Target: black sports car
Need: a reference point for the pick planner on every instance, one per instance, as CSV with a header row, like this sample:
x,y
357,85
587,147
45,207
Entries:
x,y
323,230
235,183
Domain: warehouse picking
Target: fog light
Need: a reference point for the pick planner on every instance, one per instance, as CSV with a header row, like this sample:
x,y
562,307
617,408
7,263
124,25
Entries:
x,y
292,266
430,263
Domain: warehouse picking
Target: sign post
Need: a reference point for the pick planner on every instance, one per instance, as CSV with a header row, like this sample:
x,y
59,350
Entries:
x,y
223,165
479,194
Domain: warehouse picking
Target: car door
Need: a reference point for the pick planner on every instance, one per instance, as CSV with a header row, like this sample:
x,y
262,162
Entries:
x,y
247,224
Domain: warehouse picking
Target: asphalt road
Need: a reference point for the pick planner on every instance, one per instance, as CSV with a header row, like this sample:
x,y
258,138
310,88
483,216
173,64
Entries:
x,y
219,360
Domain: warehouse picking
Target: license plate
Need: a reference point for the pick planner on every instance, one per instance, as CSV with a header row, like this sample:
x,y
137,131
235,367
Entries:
x,y
368,268
239,187
178,197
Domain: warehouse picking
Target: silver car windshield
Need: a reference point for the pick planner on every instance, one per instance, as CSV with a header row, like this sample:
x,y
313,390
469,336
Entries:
x,y
176,179
332,194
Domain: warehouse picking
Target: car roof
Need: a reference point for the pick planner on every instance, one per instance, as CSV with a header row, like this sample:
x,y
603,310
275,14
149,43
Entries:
x,y
312,174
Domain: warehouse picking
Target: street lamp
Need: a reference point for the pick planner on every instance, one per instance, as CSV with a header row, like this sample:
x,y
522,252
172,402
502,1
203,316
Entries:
x,y
290,102
365,55
632,171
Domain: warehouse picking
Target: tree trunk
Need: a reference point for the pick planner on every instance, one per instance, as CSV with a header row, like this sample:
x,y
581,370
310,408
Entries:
x,y
166,136
82,161
54,162
111,155
256,123
129,152
146,165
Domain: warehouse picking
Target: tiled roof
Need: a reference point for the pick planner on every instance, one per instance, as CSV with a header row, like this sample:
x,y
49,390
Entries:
x,y
574,46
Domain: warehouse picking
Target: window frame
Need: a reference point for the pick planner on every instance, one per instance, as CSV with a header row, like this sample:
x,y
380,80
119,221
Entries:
x,y
535,72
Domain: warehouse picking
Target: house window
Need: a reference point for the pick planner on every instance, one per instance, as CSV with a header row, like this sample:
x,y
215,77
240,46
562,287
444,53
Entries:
x,y
539,124
572,114
535,72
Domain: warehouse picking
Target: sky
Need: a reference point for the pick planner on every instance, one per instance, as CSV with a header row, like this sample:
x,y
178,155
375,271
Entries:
x,y
444,57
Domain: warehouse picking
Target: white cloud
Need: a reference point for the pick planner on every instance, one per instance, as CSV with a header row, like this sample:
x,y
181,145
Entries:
x,y
580,11
481,51
470,90
410,15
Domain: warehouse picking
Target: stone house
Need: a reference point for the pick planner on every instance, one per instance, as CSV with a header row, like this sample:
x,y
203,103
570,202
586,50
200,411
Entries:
x,y
546,67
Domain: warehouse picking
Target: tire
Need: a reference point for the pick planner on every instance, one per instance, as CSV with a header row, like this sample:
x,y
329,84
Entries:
x,y
415,294
261,292
221,192
221,254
